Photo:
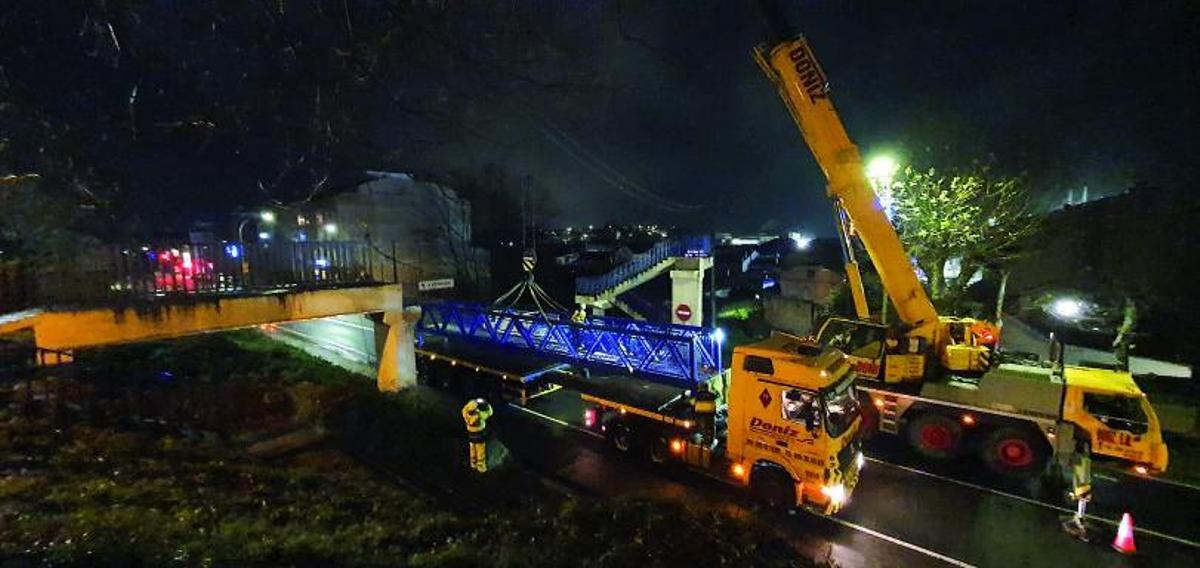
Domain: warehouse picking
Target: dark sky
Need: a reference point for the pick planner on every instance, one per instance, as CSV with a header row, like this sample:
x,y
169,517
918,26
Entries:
x,y
179,109
1071,93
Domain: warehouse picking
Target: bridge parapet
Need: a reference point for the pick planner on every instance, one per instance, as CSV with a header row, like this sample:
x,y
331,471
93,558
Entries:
x,y
113,275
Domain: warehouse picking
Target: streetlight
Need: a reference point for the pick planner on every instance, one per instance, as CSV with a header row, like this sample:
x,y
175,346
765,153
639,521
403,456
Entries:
x,y
1067,308
801,240
881,170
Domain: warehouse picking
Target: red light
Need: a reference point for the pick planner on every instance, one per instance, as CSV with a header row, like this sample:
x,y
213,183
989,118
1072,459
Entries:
x,y
589,417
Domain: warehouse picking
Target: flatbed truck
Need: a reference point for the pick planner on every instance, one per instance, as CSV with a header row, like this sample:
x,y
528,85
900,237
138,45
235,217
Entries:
x,y
786,428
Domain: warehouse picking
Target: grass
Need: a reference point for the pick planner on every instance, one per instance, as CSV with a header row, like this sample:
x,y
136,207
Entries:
x,y
142,474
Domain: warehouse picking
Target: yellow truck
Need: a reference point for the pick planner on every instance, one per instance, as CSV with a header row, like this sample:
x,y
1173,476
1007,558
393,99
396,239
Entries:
x,y
936,380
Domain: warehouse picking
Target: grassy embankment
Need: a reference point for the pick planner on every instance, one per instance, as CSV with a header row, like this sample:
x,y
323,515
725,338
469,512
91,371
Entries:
x,y
142,460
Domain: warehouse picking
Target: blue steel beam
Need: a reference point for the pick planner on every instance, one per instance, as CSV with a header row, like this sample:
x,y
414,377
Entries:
x,y
673,354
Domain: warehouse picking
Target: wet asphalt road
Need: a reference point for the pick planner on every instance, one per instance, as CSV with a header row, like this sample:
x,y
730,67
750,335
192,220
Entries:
x,y
905,512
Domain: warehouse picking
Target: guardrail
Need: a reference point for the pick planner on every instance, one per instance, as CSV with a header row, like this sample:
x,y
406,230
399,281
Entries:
x,y
674,354
114,274
660,252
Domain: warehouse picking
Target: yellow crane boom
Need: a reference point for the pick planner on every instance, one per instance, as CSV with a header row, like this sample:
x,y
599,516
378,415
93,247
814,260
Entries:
x,y
805,90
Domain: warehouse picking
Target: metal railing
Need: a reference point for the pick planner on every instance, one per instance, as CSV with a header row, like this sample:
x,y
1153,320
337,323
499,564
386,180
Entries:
x,y
113,274
659,253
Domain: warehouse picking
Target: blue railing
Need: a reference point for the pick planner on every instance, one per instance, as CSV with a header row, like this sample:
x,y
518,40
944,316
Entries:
x,y
671,354
661,251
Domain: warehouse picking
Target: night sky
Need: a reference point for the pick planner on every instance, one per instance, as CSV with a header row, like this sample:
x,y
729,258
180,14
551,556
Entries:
x,y
1071,94
673,123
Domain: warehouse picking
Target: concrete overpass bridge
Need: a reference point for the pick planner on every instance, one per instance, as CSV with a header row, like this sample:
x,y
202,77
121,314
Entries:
x,y
115,295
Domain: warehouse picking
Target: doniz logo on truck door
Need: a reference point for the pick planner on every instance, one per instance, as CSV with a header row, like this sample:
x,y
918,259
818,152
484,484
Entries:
x,y
761,426
1118,442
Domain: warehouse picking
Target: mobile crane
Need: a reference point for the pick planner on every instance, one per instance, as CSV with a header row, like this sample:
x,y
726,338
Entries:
x,y
934,379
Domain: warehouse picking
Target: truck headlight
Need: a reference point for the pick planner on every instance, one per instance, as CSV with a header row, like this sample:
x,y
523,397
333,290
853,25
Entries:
x,y
836,493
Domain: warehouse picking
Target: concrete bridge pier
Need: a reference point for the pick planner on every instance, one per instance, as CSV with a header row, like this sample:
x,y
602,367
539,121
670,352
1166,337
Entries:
x,y
687,290
398,358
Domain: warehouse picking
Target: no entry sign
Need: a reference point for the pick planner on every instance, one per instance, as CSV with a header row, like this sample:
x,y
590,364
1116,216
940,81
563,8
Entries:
x,y
683,312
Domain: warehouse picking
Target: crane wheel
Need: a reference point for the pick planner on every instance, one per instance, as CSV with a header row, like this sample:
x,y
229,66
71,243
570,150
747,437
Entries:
x,y
935,436
773,487
1013,452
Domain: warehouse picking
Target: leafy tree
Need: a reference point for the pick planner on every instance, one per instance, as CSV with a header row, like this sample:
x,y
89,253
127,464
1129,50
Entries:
x,y
971,218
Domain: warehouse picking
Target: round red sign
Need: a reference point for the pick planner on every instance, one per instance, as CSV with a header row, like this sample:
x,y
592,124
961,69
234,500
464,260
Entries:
x,y
683,312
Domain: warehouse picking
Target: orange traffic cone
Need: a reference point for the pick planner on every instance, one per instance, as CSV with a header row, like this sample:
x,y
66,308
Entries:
x,y
1124,541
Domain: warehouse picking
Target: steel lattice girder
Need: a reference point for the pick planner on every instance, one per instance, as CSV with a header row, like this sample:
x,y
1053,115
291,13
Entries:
x,y
682,355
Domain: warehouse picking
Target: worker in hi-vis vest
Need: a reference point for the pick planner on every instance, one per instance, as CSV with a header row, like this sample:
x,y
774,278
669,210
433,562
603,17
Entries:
x,y
476,413
1081,489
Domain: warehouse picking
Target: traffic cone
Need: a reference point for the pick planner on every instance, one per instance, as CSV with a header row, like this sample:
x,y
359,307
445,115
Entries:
x,y
1124,541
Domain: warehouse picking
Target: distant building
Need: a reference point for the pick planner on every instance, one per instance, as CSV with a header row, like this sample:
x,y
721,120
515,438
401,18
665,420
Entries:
x,y
425,225
815,284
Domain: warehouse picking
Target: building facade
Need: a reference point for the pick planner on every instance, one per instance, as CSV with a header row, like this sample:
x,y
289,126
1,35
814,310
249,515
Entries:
x,y
425,227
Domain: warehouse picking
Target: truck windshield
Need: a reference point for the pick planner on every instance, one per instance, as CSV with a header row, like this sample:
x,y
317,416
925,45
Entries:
x,y
841,406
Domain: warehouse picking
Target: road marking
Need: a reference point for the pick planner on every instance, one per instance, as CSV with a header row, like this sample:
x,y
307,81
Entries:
x,y
1150,532
843,522
1160,480
556,421
904,543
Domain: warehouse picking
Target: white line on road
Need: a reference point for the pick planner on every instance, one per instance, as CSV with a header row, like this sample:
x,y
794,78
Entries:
x,y
905,544
1150,532
1162,480
843,522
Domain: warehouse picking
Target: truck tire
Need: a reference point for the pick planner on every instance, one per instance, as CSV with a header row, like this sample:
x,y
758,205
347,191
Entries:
x,y
660,450
620,437
935,436
774,487
1013,452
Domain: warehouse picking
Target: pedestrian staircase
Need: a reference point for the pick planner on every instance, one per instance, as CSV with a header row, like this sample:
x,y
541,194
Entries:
x,y
603,289
639,308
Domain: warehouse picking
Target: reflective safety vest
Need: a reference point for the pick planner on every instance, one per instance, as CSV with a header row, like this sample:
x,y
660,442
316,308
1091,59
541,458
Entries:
x,y
475,414
704,402
1081,477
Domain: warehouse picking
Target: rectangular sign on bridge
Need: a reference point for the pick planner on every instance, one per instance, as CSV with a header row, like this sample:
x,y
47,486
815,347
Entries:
x,y
439,284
